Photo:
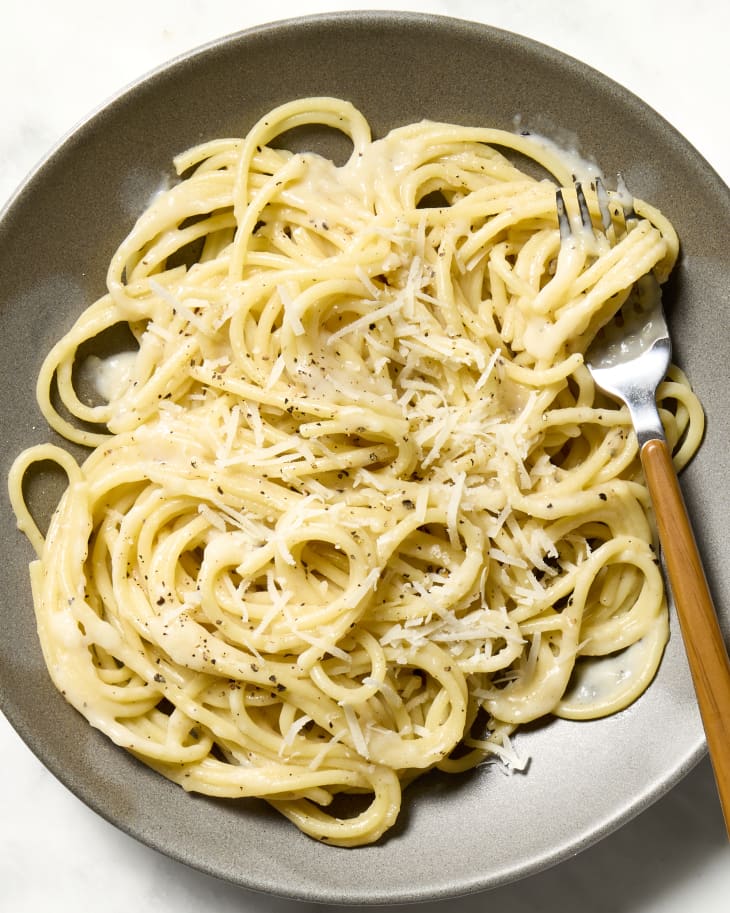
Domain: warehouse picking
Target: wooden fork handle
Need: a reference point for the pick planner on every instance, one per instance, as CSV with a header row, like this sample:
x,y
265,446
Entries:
x,y
704,645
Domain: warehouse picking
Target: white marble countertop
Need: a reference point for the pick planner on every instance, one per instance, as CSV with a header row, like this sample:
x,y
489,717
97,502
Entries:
x,y
57,855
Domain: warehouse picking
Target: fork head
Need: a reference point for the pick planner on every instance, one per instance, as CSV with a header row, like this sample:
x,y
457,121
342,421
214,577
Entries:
x,y
616,220
629,355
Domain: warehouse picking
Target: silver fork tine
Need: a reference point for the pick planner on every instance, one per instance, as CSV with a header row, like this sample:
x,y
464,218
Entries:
x,y
563,219
585,215
624,190
628,212
608,223
602,197
566,229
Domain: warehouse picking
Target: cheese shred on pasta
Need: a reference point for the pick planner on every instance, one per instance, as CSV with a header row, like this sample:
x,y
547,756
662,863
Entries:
x,y
353,508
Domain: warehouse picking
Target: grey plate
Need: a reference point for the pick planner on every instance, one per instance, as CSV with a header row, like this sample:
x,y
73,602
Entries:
x,y
56,238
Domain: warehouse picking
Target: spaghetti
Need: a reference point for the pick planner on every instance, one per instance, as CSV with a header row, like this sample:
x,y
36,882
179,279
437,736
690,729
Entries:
x,y
353,508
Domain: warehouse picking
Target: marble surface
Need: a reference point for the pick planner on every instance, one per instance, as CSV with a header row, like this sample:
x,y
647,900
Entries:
x,y
59,61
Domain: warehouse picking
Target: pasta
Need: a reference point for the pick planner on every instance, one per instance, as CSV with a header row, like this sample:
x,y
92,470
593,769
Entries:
x,y
352,508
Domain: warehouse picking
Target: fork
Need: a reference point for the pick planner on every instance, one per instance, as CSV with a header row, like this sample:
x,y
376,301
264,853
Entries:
x,y
628,359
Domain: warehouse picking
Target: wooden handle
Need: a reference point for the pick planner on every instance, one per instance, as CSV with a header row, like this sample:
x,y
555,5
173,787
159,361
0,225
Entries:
x,y
706,652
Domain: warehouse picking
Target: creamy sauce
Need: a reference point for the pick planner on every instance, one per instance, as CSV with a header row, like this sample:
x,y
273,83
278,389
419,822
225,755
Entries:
x,y
642,326
599,679
112,375
582,168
